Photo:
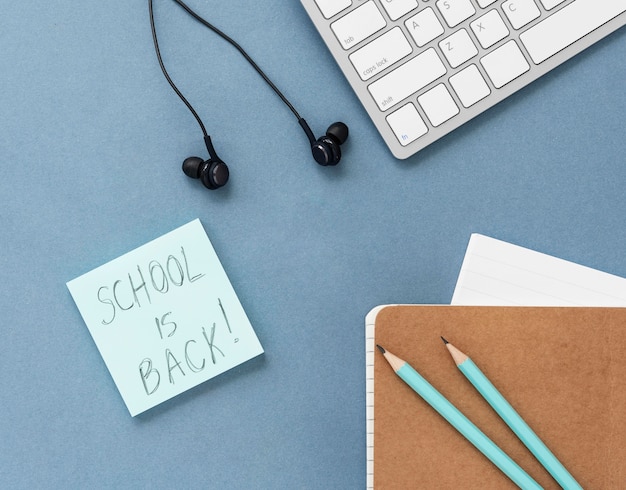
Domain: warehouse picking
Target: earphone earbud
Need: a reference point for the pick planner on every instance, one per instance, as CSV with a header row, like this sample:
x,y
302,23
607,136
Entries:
x,y
213,173
326,150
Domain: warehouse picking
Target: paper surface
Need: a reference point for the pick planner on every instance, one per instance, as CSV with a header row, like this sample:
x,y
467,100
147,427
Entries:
x,y
499,273
561,368
165,317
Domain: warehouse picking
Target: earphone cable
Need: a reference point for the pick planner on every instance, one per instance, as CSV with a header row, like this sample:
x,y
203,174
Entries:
x,y
166,74
231,42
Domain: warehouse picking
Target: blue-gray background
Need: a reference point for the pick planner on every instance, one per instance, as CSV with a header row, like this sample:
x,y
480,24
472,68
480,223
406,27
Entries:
x,y
91,143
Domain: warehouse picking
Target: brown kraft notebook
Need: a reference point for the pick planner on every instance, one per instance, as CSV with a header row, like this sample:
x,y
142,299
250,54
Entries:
x,y
560,368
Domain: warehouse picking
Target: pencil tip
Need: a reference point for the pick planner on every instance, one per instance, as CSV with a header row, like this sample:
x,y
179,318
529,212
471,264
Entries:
x,y
444,341
380,348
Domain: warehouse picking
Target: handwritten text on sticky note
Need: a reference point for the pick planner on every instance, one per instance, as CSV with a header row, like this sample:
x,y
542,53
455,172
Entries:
x,y
165,317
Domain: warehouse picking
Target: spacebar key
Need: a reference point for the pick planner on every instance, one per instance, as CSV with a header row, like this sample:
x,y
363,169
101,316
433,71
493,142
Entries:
x,y
568,25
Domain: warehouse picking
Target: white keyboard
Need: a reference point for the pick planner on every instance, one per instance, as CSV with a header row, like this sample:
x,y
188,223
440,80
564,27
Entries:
x,y
423,68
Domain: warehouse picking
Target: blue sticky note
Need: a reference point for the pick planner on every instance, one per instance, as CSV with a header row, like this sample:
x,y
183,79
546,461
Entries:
x,y
165,317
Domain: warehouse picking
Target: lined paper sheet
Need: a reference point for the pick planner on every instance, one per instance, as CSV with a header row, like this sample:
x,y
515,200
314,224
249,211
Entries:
x,y
370,321
497,273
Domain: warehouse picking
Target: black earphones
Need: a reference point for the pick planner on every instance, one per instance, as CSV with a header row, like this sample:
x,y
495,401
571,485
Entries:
x,y
326,150
214,173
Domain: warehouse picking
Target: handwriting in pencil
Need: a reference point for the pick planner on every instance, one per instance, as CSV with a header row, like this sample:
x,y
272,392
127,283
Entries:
x,y
190,358
134,291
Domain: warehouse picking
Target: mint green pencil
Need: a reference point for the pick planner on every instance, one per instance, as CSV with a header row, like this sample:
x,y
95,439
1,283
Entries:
x,y
460,422
512,418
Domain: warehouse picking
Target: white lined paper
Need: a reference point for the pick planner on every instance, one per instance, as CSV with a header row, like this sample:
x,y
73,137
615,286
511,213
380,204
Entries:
x,y
497,273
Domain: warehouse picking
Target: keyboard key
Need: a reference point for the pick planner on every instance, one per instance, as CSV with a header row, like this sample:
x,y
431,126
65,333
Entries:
x,y
398,8
358,25
469,85
572,22
455,11
414,75
332,7
489,29
520,12
458,48
380,53
407,124
550,4
505,64
485,3
438,105
424,27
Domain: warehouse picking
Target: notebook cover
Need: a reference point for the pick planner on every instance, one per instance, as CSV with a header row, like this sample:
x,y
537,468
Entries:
x,y
561,369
